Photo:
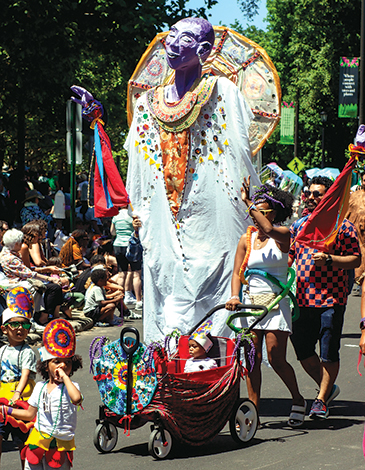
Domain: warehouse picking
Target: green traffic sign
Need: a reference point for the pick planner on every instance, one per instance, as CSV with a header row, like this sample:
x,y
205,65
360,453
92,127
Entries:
x,y
296,166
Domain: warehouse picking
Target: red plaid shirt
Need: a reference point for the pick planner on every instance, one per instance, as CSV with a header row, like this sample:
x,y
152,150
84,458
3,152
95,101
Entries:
x,y
323,286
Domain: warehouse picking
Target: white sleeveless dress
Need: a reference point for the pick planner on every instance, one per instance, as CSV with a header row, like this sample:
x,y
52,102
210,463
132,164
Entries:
x,y
272,260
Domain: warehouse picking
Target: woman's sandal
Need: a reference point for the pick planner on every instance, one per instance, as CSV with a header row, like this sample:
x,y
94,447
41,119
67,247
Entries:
x,y
297,415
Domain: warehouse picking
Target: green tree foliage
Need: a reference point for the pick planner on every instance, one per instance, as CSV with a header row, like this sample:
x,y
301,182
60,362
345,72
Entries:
x,y
48,45
305,39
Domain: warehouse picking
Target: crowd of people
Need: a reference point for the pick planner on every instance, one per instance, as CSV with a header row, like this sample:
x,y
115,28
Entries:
x,y
39,252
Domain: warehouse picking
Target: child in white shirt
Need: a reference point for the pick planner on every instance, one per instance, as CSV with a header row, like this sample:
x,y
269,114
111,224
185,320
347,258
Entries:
x,y
199,345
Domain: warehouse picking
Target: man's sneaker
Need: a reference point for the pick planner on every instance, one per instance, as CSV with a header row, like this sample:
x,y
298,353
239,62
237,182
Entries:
x,y
356,290
135,316
319,410
334,393
129,299
139,305
102,324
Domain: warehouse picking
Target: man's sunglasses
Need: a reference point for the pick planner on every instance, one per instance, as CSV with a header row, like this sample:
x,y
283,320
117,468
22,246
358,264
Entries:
x,y
14,325
315,193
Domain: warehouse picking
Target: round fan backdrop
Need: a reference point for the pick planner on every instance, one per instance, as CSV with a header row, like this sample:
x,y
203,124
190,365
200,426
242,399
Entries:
x,y
233,56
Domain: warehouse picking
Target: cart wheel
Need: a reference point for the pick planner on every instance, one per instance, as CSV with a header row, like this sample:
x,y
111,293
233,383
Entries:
x,y
105,441
156,447
243,421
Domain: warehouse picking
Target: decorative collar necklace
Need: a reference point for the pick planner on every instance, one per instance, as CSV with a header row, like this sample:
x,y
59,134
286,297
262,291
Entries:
x,y
175,117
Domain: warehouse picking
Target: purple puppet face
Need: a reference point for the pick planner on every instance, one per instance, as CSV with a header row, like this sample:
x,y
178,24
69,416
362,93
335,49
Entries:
x,y
188,39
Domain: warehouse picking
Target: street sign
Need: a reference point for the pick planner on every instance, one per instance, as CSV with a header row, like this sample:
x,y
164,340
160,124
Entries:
x,y
74,131
296,166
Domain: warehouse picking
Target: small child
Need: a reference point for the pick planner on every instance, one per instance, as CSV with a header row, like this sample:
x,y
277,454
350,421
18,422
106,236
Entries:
x,y
54,401
100,306
199,345
18,367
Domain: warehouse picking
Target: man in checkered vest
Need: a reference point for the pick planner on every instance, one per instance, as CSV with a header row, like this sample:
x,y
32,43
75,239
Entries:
x,y
322,291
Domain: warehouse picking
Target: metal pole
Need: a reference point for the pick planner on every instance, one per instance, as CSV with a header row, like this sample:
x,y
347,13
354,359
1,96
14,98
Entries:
x,y
322,163
362,64
73,166
296,126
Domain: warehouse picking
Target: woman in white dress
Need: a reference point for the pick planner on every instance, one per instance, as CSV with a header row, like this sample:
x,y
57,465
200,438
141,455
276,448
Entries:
x,y
266,248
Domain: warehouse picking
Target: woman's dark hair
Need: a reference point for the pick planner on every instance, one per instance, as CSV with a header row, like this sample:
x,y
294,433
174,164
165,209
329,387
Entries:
x,y
30,230
42,225
97,259
55,261
66,253
279,200
323,180
42,367
98,274
105,246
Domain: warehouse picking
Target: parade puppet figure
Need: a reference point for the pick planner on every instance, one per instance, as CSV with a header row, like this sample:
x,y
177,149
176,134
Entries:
x,y
189,150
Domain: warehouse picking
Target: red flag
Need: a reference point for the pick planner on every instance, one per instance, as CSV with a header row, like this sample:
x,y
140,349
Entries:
x,y
322,226
109,190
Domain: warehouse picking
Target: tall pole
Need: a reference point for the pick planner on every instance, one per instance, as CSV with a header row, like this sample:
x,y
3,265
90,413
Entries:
x,y
73,167
322,162
362,64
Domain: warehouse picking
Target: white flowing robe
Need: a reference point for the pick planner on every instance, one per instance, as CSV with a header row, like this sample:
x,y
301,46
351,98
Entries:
x,y
188,262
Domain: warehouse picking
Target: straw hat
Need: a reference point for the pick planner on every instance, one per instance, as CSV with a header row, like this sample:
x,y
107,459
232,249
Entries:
x,y
32,194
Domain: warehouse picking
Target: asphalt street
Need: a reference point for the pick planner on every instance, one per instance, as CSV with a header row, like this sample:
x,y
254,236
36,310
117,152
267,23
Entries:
x,y
335,443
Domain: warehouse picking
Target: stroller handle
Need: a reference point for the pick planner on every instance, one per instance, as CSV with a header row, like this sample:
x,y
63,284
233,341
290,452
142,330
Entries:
x,y
133,345
223,306
246,314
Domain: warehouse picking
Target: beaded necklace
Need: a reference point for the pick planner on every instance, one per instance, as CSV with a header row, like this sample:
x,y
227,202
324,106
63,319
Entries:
x,y
176,117
243,267
58,411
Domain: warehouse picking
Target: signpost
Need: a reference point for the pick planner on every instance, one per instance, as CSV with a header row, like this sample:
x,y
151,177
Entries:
x,y
349,78
296,165
73,148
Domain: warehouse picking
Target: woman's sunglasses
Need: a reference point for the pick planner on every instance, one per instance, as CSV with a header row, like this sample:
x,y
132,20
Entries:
x,y
265,211
315,193
14,325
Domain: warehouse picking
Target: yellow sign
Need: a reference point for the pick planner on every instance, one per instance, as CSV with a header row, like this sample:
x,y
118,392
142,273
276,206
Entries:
x,y
296,166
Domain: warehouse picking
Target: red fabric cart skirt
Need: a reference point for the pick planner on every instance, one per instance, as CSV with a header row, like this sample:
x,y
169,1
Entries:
x,y
195,407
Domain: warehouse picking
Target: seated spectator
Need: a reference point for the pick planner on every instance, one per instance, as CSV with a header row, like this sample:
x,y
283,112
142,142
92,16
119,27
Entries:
x,y
14,268
71,298
105,248
37,250
87,216
72,250
4,226
31,237
31,210
100,306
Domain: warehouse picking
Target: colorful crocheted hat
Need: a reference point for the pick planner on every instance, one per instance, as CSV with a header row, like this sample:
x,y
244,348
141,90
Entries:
x,y
201,335
8,314
360,141
59,340
20,302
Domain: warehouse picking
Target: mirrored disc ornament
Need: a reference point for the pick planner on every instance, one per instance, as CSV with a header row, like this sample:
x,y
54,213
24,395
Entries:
x,y
233,56
111,372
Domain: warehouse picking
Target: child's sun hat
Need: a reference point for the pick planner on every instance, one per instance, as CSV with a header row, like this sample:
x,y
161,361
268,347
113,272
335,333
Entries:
x,y
201,335
20,304
59,340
